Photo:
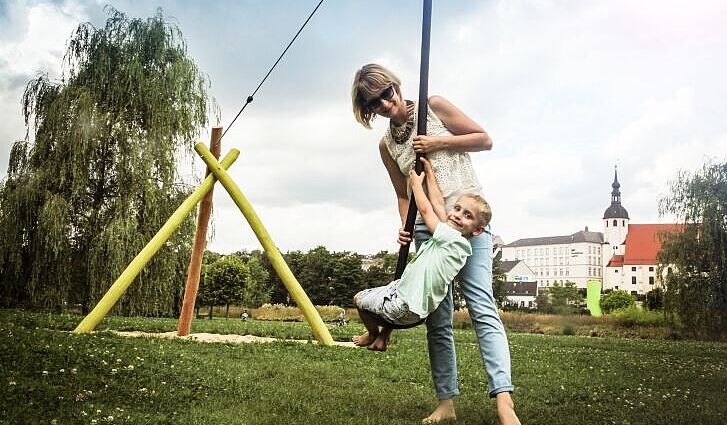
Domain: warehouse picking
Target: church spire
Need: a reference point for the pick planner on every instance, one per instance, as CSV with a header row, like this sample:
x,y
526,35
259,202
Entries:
x,y
615,193
616,210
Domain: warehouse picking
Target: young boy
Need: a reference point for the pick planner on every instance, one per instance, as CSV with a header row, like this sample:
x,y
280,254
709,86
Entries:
x,y
425,281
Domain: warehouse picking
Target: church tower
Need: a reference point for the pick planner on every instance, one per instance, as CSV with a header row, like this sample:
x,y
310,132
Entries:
x,y
615,223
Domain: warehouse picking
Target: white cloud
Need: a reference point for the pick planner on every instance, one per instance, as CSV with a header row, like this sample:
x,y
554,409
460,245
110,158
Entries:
x,y
566,90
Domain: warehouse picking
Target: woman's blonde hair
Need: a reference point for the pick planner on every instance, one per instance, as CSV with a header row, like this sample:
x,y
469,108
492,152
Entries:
x,y
367,83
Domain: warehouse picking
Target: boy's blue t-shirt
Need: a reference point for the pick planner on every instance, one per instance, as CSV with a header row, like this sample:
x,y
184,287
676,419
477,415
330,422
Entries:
x,y
424,283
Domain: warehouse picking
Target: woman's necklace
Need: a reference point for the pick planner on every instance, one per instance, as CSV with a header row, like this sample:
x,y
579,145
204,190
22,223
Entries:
x,y
401,133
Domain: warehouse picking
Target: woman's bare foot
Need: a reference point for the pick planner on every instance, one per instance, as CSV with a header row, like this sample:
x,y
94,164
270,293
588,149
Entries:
x,y
364,339
506,409
443,412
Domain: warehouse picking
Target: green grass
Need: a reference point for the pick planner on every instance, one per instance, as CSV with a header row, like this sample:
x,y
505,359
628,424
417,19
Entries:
x,y
48,374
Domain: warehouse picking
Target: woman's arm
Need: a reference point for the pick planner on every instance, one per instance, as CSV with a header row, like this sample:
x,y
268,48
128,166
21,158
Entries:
x,y
468,136
398,180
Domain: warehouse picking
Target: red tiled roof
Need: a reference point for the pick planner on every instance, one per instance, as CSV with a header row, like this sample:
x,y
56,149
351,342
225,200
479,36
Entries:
x,y
616,261
643,242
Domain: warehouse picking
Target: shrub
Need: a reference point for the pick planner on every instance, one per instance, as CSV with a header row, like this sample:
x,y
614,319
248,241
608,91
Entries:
x,y
616,300
632,316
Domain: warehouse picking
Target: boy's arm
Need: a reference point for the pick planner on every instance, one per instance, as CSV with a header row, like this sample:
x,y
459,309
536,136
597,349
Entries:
x,y
435,193
423,205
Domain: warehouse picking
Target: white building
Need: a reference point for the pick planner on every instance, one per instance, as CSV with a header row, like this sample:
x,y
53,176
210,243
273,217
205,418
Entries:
x,y
622,257
521,287
630,250
556,259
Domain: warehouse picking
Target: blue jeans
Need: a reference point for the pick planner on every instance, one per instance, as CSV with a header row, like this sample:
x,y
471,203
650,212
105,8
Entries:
x,y
476,284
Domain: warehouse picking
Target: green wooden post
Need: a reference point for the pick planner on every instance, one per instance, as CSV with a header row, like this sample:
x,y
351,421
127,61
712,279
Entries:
x,y
320,331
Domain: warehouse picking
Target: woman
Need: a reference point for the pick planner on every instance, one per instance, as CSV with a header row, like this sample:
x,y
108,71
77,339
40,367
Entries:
x,y
451,135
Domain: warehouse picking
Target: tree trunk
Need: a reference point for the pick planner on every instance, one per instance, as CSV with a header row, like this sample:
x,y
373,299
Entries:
x,y
227,311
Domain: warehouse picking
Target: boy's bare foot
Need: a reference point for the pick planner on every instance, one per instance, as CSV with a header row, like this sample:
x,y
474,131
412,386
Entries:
x,y
443,412
506,409
363,340
379,344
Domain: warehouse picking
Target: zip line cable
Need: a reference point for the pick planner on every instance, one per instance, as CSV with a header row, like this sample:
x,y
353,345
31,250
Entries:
x,y
250,98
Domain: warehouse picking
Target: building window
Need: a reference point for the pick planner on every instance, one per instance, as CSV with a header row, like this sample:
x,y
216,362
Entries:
x,y
634,293
651,280
615,223
651,269
623,223
633,269
633,280
606,223
615,271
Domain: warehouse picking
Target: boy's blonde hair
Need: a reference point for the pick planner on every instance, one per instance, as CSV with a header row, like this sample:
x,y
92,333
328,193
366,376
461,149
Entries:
x,y
368,82
483,212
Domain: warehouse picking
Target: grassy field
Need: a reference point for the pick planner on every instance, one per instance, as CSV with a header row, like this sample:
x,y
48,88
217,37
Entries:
x,y
49,375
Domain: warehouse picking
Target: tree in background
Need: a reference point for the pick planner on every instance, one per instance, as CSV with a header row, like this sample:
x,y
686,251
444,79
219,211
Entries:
x,y
696,257
654,299
347,279
256,290
99,178
616,300
559,299
225,280
205,295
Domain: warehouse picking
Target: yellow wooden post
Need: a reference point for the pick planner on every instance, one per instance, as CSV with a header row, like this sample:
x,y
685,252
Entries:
x,y
320,331
116,290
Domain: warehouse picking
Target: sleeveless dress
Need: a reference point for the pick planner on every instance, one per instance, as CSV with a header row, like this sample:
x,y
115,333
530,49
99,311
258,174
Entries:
x,y
454,171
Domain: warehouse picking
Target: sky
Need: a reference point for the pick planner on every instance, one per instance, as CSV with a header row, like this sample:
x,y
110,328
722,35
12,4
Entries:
x,y
567,90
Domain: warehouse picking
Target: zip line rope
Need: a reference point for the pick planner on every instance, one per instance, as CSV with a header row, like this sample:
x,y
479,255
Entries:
x,y
250,98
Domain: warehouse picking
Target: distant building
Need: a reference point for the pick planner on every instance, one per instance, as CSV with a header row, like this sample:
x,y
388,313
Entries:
x,y
556,259
630,250
622,257
521,287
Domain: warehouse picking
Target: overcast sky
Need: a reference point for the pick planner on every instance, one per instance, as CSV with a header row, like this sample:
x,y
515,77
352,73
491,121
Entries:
x,y
566,89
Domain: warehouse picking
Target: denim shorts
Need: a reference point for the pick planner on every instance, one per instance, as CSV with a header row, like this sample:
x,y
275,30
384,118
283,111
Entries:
x,y
384,302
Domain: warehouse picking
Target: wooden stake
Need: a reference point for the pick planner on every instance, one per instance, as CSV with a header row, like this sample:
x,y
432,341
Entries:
x,y
200,243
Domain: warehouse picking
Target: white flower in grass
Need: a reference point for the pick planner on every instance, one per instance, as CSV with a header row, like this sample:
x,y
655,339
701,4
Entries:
x,y
94,421
109,418
83,413
45,373
74,370
113,371
11,383
62,371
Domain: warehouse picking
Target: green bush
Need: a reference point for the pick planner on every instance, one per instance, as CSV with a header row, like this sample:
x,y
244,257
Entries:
x,y
633,316
616,300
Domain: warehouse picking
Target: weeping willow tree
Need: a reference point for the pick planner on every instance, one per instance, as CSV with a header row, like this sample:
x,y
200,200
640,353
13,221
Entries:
x,y
696,256
96,175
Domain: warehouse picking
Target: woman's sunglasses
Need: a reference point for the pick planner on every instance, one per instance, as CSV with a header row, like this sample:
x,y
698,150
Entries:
x,y
387,94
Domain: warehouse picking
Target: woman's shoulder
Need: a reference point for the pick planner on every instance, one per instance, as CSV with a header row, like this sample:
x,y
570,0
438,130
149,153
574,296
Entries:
x,y
439,104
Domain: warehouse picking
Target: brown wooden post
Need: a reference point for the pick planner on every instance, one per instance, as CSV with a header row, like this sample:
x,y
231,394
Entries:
x,y
200,242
